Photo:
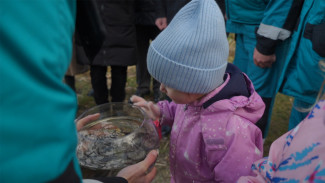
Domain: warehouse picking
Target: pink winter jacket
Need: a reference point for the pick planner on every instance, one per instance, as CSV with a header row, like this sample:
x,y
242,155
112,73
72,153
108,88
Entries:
x,y
296,156
214,144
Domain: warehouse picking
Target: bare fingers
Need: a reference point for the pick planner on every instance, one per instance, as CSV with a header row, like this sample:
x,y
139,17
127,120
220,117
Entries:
x,y
82,122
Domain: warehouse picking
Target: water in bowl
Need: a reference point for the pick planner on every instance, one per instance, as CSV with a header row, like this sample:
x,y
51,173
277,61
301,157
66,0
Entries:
x,y
114,142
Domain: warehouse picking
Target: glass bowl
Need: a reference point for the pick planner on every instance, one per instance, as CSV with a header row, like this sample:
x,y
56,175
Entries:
x,y
122,135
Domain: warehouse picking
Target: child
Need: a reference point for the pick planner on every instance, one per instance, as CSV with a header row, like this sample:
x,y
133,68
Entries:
x,y
298,155
213,110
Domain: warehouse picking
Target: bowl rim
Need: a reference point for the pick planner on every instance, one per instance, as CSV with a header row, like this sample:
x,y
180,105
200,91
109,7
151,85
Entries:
x,y
145,116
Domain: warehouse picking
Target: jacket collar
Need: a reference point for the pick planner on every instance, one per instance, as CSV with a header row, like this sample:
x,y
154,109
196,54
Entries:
x,y
234,85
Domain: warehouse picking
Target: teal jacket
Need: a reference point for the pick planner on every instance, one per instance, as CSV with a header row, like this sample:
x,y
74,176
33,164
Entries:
x,y
37,110
246,12
302,25
243,17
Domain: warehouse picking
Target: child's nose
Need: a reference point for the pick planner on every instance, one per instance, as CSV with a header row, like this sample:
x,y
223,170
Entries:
x,y
162,88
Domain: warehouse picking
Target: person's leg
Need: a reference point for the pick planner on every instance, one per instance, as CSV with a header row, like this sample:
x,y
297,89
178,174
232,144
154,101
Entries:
x,y
241,54
296,116
70,81
157,95
99,83
142,75
119,75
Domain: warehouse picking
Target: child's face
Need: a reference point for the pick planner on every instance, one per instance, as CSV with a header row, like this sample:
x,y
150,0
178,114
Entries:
x,y
179,97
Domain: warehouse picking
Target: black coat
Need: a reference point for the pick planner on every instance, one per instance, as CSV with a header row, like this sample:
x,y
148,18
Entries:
x,y
119,47
169,8
145,12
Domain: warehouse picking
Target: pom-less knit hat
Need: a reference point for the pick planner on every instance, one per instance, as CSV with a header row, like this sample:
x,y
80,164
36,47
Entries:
x,y
190,55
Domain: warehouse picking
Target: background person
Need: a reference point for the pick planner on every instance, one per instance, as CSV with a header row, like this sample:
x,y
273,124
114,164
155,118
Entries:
x,y
166,10
118,50
146,32
300,75
243,18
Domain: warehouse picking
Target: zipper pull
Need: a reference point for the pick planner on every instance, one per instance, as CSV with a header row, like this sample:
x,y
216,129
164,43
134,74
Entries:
x,y
185,107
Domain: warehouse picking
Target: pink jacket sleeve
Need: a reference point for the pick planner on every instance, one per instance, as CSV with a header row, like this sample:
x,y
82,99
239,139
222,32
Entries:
x,y
167,110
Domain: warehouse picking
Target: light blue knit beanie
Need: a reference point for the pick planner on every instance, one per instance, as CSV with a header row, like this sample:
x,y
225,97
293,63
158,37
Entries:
x,y
190,55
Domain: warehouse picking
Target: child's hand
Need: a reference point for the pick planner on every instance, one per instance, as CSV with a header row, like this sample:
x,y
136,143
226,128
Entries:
x,y
151,109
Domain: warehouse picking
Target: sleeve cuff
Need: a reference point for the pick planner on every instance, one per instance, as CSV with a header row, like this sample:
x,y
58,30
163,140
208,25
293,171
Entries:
x,y
265,45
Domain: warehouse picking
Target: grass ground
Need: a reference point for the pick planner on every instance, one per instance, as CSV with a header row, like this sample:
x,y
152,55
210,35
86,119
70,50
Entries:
x,y
279,119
